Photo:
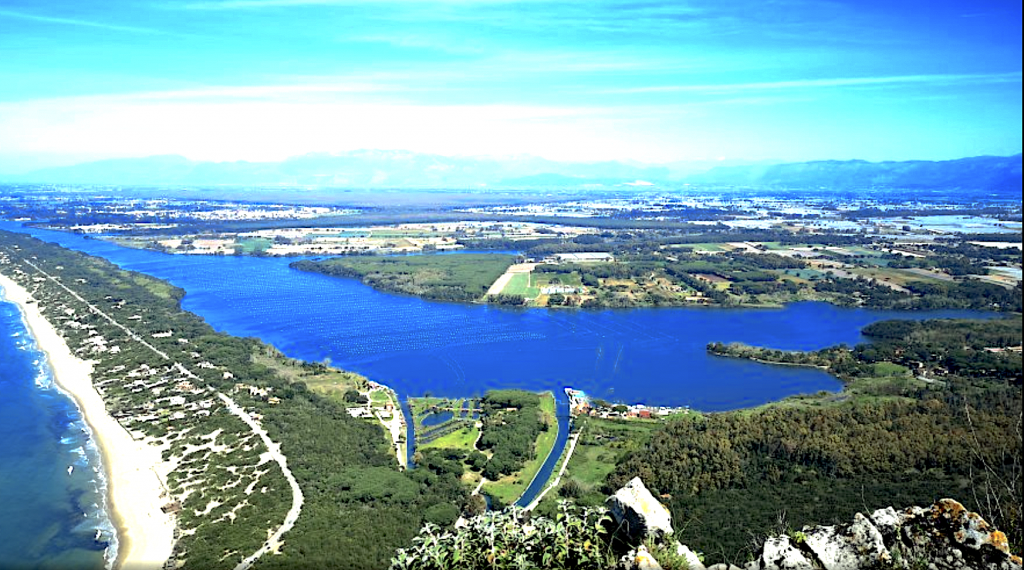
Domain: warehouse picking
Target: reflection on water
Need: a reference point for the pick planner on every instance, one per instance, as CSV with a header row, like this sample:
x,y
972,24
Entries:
x,y
654,356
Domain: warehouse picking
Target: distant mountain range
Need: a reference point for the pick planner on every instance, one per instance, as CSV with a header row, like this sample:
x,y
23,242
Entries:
x,y
403,169
979,173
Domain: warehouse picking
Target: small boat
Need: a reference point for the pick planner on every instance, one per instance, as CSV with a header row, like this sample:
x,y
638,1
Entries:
x,y
70,469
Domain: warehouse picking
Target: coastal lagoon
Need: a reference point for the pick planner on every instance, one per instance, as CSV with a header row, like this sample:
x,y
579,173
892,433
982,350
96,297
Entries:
x,y
652,356
418,347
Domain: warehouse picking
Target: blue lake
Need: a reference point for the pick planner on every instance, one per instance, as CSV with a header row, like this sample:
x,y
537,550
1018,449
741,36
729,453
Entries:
x,y
654,356
436,419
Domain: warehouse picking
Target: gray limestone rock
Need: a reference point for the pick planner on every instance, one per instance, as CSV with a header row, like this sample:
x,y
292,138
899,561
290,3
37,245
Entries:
x,y
887,521
778,552
692,560
858,545
638,513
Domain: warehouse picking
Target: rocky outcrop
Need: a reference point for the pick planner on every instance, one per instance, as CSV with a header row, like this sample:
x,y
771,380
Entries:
x,y
944,536
638,514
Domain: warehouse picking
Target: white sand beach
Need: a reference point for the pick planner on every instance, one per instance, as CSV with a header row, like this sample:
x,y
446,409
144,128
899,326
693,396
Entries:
x,y
137,493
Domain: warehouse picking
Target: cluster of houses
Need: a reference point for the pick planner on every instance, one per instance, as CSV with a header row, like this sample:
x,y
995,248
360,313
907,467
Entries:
x,y
366,411
258,393
581,404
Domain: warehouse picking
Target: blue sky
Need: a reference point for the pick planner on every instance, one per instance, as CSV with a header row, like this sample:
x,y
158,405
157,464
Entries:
x,y
642,80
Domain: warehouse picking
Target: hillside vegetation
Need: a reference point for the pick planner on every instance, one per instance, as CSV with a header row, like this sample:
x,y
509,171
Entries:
x,y
890,438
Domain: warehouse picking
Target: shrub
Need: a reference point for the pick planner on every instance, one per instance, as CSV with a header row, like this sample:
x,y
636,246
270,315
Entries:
x,y
575,540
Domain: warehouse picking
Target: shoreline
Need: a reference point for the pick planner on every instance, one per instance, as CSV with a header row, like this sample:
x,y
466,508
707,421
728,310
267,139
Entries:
x,y
135,491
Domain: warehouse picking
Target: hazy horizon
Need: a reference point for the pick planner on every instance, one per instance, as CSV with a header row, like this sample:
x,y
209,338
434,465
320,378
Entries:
x,y
654,82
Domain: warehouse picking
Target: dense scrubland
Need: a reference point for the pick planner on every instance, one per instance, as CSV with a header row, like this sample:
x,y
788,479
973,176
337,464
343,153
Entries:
x,y
932,409
438,277
358,507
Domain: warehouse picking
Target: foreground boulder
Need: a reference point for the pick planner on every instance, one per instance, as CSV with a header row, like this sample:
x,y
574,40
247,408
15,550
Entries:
x,y
638,514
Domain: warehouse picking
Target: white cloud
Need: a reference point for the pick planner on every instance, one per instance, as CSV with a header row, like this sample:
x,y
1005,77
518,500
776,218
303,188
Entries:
x,y
272,130
77,22
828,82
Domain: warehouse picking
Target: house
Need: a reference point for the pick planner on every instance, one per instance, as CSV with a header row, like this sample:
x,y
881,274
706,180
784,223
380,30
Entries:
x,y
583,257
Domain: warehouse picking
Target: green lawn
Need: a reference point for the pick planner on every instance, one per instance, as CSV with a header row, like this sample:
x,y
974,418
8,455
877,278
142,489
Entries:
x,y
520,284
250,245
378,398
543,279
891,369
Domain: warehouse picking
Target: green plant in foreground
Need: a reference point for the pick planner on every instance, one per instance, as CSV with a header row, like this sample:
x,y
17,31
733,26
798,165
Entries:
x,y
666,553
575,540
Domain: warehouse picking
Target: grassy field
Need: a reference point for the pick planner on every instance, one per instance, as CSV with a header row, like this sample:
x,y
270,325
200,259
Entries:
x,y
379,398
896,276
543,279
461,439
161,289
705,246
327,381
255,244
521,284
508,489
601,445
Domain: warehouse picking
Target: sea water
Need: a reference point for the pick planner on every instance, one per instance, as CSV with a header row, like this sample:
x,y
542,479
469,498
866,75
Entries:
x,y
52,489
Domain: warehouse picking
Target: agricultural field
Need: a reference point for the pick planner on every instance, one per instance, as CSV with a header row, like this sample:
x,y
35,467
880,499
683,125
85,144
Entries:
x,y
521,284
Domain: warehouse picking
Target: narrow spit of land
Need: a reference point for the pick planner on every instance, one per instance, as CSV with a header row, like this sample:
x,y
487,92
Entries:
x,y
273,448
293,489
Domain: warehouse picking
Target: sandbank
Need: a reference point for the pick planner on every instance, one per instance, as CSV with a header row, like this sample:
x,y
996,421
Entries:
x,y
136,491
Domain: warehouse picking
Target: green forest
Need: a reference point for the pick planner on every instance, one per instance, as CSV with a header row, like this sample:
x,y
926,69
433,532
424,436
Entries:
x,y
512,422
463,278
